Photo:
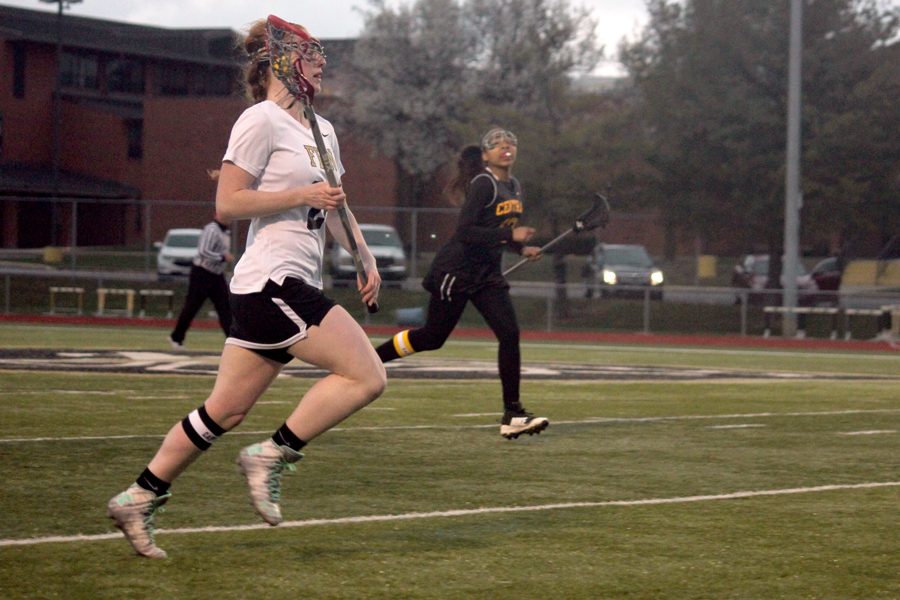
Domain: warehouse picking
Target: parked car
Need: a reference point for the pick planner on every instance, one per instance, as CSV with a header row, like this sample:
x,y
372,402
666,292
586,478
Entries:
x,y
827,274
176,252
752,272
386,247
623,270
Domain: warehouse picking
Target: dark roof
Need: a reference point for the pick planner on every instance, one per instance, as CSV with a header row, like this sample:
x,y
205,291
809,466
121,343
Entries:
x,y
37,181
206,46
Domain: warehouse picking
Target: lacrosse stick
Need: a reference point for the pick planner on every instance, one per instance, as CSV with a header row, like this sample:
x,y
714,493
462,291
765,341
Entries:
x,y
596,216
291,75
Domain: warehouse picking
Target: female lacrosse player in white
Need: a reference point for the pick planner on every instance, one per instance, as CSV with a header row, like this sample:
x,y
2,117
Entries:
x,y
467,269
272,174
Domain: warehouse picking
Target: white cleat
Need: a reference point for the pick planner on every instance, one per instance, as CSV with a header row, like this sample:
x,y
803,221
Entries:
x,y
133,512
263,465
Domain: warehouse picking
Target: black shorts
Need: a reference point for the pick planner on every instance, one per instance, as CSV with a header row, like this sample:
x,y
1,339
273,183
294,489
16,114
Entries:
x,y
270,321
447,285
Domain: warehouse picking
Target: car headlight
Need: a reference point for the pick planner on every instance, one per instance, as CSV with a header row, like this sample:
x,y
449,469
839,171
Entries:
x,y
656,277
609,277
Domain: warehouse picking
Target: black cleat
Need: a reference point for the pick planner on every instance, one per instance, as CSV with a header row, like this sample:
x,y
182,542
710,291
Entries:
x,y
516,423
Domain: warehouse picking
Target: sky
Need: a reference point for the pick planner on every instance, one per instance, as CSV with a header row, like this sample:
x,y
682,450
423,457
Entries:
x,y
324,18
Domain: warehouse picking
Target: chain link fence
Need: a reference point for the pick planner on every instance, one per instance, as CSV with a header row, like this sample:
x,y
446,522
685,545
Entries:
x,y
62,273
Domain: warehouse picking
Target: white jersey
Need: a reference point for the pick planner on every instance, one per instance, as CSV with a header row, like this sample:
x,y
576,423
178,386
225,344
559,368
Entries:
x,y
280,153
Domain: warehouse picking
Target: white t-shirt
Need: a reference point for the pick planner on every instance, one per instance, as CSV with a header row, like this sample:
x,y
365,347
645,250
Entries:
x,y
280,153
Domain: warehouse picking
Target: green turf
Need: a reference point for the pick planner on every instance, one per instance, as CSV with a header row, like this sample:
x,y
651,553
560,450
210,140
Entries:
x,y
429,446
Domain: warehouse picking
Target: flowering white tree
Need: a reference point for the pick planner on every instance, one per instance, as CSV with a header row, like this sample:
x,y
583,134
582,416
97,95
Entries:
x,y
428,76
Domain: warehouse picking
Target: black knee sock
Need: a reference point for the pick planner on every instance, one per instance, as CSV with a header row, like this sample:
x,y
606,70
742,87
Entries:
x,y
152,483
285,437
386,351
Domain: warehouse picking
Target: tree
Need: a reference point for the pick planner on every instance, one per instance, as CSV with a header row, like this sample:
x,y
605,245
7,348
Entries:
x,y
409,73
525,52
853,153
432,74
712,75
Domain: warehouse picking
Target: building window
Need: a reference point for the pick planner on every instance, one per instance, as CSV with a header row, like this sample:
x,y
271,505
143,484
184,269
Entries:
x,y
173,80
79,70
125,75
18,71
220,81
135,131
221,46
212,82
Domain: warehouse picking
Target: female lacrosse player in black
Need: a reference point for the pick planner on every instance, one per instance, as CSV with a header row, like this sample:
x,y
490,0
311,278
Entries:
x,y
468,269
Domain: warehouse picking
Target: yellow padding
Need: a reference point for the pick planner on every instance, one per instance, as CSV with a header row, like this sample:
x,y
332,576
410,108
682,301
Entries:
x,y
706,266
402,345
872,273
860,272
890,275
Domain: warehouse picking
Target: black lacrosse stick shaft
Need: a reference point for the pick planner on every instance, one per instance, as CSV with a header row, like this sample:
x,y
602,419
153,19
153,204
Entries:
x,y
596,216
333,182
544,248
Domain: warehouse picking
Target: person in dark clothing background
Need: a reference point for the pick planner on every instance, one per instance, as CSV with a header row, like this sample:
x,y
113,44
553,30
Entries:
x,y
207,280
468,268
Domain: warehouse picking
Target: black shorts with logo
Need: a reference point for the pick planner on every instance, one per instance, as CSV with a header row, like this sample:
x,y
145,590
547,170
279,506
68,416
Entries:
x,y
271,321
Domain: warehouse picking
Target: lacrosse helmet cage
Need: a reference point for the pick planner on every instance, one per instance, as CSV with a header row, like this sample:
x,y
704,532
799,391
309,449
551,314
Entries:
x,y
282,38
497,136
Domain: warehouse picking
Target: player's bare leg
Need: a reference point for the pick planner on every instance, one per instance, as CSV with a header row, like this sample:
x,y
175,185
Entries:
x,y
243,377
356,378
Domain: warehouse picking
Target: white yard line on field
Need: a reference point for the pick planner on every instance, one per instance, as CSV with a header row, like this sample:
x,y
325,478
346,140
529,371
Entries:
x,y
46,392
462,513
466,415
656,350
821,413
587,421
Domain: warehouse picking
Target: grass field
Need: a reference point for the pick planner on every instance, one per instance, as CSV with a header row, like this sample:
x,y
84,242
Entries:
x,y
779,480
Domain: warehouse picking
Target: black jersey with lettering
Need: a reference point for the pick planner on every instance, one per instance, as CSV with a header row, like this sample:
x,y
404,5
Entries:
x,y
473,256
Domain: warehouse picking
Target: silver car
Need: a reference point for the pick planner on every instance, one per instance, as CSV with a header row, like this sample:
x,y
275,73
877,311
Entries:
x,y
387,248
177,251
623,270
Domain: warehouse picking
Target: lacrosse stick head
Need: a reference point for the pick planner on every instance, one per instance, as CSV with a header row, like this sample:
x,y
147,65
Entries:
x,y
596,216
282,40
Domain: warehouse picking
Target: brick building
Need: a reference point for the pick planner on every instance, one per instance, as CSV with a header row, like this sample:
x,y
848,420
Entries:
x,y
143,112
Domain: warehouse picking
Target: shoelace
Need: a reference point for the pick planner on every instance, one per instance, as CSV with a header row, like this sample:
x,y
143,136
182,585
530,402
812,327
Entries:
x,y
150,514
275,474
